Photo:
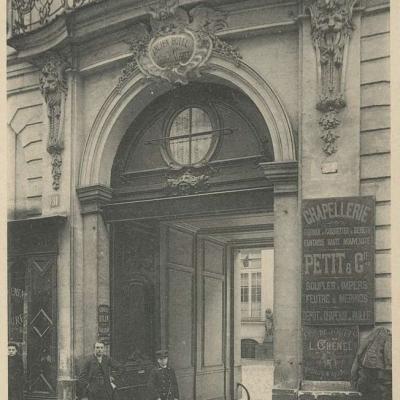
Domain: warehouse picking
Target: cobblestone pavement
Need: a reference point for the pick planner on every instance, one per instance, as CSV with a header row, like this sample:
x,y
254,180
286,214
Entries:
x,y
258,377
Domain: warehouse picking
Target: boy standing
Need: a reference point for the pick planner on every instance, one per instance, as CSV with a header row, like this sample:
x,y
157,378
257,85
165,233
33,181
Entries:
x,y
162,384
16,376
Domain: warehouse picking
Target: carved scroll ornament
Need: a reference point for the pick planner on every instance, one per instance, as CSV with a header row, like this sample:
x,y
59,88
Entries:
x,y
331,28
54,90
177,44
189,180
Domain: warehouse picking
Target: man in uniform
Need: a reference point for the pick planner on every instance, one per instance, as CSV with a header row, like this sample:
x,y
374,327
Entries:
x,y
162,384
95,379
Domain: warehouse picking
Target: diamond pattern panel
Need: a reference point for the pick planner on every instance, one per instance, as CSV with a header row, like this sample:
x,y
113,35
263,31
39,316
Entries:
x,y
41,323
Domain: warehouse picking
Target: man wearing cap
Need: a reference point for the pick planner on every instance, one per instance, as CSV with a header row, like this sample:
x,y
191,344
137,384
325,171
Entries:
x,y
162,384
95,380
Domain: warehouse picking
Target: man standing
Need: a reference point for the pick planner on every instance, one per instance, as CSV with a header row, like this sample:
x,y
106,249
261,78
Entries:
x,y
162,384
95,380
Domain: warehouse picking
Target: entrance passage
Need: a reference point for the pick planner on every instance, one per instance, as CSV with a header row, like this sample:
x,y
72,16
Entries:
x,y
177,284
253,271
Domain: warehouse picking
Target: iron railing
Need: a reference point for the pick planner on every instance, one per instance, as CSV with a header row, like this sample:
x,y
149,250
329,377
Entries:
x,y
27,15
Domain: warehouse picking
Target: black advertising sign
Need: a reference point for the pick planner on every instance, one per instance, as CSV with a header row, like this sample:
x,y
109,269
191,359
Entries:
x,y
103,320
329,352
338,269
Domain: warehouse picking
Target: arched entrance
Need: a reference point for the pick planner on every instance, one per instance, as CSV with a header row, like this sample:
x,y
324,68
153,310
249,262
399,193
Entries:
x,y
180,210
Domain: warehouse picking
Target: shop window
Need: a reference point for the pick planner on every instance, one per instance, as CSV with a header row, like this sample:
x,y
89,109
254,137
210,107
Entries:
x,y
189,138
248,348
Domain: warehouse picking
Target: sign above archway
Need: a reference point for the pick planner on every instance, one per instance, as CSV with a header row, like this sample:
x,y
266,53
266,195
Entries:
x,y
177,44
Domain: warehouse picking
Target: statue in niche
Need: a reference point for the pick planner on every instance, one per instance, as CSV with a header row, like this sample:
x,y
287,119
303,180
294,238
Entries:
x,y
269,325
371,373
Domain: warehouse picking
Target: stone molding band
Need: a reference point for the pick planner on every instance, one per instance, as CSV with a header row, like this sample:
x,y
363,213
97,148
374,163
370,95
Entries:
x,y
283,175
92,198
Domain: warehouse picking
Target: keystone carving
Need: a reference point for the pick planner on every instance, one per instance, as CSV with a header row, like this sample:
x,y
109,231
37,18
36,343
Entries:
x,y
54,90
176,44
331,29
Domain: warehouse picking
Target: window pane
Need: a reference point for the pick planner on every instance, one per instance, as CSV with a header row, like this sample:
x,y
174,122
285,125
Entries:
x,y
180,147
190,150
248,348
200,144
244,294
256,295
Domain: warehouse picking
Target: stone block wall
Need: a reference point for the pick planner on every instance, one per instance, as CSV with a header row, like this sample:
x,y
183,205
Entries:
x,y
375,143
26,142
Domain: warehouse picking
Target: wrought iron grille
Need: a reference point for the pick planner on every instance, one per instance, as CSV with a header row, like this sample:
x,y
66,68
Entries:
x,y
28,15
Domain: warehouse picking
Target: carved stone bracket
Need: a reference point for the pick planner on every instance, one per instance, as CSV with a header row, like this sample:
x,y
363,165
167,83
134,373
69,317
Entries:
x,y
331,29
177,44
189,180
53,86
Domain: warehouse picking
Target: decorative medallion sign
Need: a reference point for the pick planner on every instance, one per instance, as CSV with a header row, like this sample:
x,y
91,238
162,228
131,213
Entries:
x,y
178,44
329,352
338,261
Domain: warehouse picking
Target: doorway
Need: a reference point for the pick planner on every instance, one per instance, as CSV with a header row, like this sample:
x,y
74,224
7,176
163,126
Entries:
x,y
175,286
253,310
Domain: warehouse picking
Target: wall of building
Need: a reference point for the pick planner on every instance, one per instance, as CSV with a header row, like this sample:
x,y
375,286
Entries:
x,y
375,144
274,43
26,142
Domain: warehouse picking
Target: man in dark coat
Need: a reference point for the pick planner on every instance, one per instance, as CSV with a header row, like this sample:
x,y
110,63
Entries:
x,y
162,384
95,380
16,376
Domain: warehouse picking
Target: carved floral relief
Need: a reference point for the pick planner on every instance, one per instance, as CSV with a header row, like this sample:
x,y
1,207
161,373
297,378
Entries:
x,y
331,29
189,180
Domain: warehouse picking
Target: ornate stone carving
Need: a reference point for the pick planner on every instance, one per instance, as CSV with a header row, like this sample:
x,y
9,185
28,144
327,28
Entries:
x,y
54,90
189,180
32,14
331,28
177,44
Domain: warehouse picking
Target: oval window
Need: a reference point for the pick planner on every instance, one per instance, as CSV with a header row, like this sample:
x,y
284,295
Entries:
x,y
189,136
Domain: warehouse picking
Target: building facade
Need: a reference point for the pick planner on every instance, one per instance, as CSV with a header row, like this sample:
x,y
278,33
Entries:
x,y
150,141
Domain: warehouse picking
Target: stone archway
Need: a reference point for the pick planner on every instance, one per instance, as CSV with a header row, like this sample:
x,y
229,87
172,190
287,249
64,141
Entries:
x,y
121,107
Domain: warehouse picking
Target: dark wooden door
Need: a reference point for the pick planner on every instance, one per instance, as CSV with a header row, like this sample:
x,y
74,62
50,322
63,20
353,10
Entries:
x,y
135,314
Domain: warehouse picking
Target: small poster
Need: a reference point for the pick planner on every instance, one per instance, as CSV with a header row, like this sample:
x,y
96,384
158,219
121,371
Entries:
x,y
103,321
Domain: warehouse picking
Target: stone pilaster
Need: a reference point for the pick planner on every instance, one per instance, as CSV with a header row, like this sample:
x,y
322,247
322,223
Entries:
x,y
287,278
96,271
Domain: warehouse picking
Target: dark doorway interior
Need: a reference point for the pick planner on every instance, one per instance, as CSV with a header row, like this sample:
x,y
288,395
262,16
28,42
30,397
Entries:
x,y
173,285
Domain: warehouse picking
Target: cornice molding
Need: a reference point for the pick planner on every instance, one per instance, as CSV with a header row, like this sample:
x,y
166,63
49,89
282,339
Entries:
x,y
92,198
282,174
87,23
